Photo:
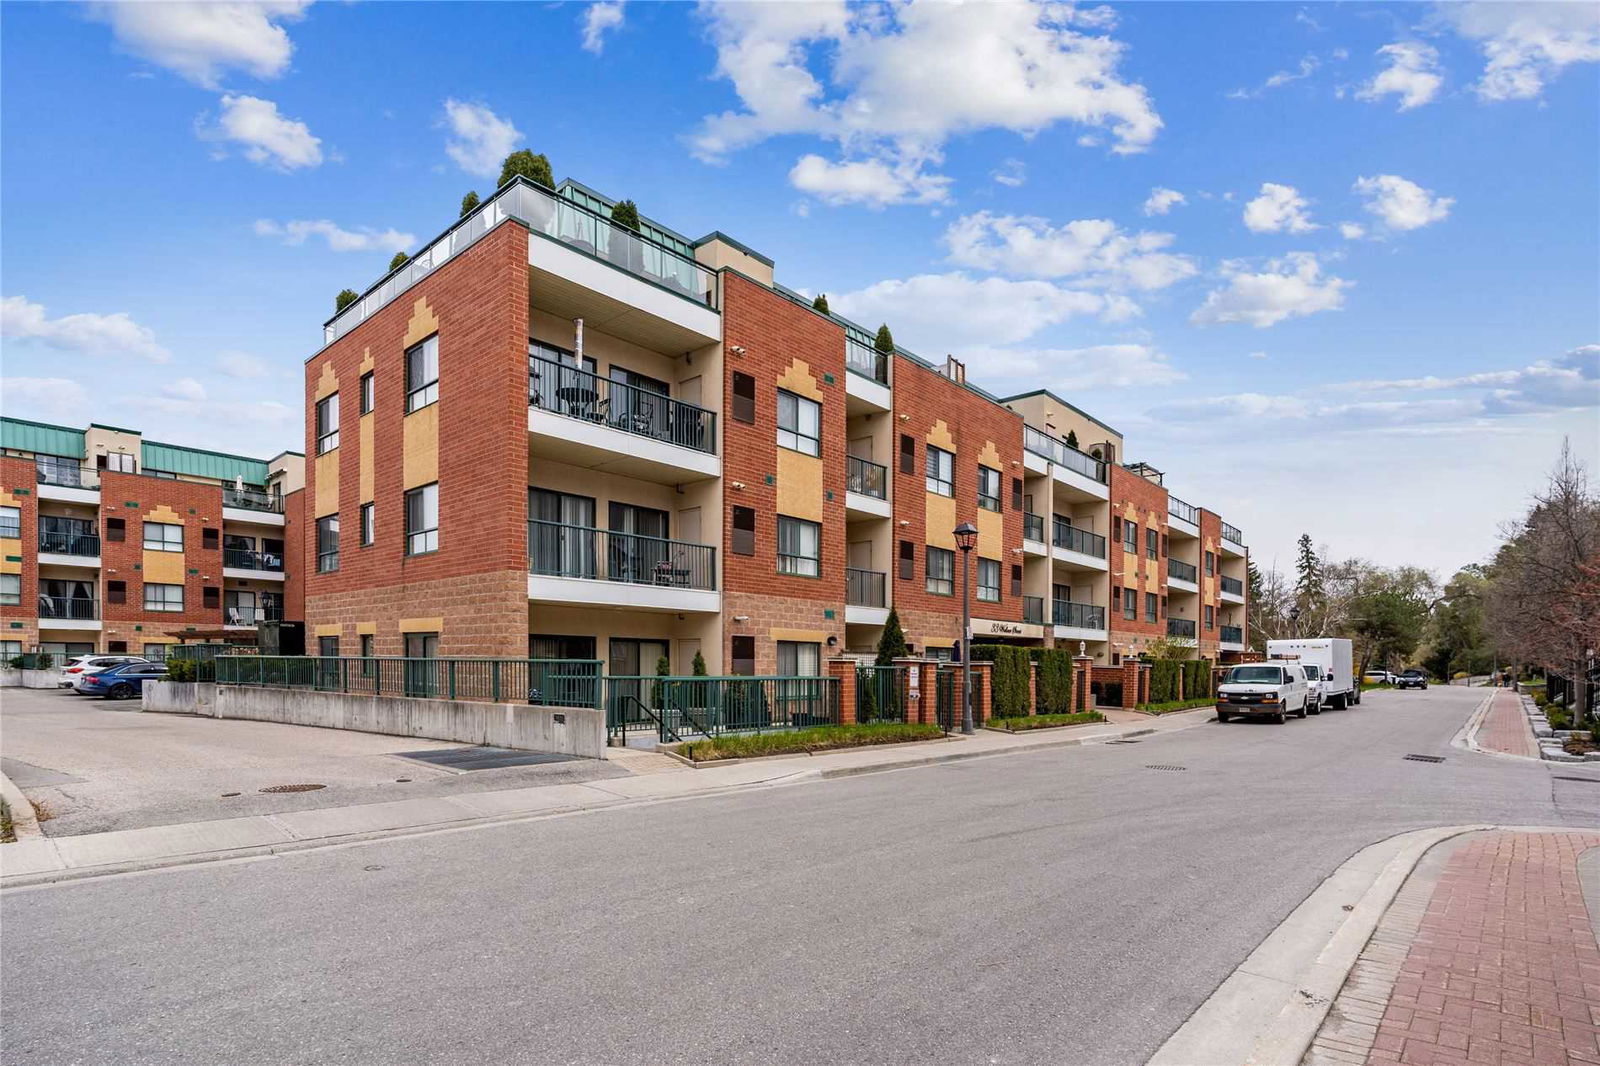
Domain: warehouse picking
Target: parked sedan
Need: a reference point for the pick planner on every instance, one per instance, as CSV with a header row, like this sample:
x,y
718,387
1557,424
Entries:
x,y
1377,677
122,682
1411,679
79,665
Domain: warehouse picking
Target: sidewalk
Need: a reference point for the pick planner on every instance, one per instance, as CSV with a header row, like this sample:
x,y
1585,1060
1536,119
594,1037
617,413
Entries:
x,y
1505,727
63,858
1488,957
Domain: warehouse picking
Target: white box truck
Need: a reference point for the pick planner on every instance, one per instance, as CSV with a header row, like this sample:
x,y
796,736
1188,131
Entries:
x,y
1332,657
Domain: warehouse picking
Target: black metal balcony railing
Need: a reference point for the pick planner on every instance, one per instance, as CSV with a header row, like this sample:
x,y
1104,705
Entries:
x,y
1233,585
1232,533
1233,634
589,397
1058,452
1180,627
252,500
1033,527
1070,537
63,542
1033,610
1183,571
73,607
249,616
1186,511
1078,615
246,559
559,550
866,361
864,588
867,477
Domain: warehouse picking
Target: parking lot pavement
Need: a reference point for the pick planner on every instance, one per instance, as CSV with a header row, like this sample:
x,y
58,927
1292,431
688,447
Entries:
x,y
96,765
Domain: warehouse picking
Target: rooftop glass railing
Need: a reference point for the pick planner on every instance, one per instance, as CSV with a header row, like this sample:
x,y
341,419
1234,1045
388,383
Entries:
x,y
866,361
1186,511
1032,527
1033,610
1058,452
64,472
1232,533
252,500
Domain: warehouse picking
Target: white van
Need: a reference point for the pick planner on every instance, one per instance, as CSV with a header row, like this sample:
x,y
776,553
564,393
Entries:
x,y
1336,682
1273,689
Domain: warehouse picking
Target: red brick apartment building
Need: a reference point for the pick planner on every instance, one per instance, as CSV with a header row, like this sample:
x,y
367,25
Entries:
x,y
553,436
112,543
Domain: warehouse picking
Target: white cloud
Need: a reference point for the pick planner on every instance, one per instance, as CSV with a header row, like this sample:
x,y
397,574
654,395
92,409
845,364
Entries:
x,y
184,389
241,365
47,397
268,137
598,19
944,312
1526,44
1307,67
1412,75
874,182
1352,231
1163,200
1012,173
1258,355
1278,209
1093,250
1401,204
1290,287
90,334
480,139
200,40
364,239
891,84
1102,366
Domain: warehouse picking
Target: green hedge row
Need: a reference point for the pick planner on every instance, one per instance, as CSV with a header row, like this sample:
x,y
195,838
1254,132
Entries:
x,y
1164,674
1010,679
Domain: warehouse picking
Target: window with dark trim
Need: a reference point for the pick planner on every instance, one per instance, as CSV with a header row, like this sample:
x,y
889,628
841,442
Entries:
x,y
368,393
1130,538
1016,580
908,561
744,401
209,539
1211,565
989,580
369,524
1152,544
328,544
742,650
422,374
117,646
799,423
116,592
1130,604
116,529
210,597
908,454
744,531
940,564
1116,528
422,520
799,547
941,473
1163,607
1163,545
1211,617
1151,605
1016,494
327,423
988,488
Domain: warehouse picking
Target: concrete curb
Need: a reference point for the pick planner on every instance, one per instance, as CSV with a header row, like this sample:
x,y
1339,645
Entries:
x,y
1467,736
23,821
956,756
1268,1011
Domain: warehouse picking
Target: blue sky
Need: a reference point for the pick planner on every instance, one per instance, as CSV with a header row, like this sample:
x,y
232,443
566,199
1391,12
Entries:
x,y
1333,267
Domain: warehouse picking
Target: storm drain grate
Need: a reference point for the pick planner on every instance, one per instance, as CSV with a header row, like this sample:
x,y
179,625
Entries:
x,y
1426,758
483,758
1164,766
293,788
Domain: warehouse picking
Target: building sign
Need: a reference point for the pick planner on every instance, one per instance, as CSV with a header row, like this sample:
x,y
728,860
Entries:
x,y
990,627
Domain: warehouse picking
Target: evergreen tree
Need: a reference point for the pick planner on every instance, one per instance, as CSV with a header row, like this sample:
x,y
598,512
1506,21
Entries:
x,y
884,341
469,204
1309,587
536,168
626,213
400,259
820,303
698,668
1072,439
345,298
892,645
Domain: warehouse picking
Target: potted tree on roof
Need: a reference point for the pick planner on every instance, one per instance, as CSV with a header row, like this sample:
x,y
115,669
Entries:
x,y
540,206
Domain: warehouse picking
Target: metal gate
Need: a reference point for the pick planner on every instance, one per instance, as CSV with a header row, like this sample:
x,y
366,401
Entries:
x,y
947,702
880,694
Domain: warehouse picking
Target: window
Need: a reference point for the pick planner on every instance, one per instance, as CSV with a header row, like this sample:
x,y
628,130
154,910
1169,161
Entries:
x,y
908,561
1163,607
1130,604
163,537
1163,545
327,423
10,649
422,374
366,640
209,539
988,489
744,531
798,659
422,520
116,592
210,597
1211,617
10,589
116,530
166,474
1016,494
799,423
1116,528
1130,538
989,580
1211,564
369,392
1016,580
908,454
742,652
744,398
941,571
941,472
10,521
369,524
1151,605
328,544
328,646
117,462
422,645
799,547
163,598
117,645
1152,544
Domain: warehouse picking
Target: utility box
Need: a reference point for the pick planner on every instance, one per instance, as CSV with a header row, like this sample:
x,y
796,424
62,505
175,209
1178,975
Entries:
x,y
281,638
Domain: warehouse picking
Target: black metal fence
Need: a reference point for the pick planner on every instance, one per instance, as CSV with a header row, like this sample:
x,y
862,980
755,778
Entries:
x,y
559,550
588,397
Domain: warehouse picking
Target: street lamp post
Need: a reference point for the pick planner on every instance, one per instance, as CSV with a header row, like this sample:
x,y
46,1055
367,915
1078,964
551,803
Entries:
x,y
966,536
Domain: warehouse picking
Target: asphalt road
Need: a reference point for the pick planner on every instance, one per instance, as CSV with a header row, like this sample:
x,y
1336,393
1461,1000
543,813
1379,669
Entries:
x,y
1063,906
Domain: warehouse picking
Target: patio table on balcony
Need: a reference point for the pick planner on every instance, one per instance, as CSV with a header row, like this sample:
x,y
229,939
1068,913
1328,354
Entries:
x,y
581,402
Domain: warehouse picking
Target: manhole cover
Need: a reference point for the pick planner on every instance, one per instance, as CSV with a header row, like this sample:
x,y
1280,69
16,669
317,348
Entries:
x,y
293,788
1426,758
1165,766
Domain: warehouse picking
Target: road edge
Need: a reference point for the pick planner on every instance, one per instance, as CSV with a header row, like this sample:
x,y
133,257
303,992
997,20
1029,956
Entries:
x,y
24,823
1268,1011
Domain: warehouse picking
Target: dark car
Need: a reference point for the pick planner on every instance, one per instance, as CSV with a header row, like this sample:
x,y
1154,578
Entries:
x,y
1411,679
122,682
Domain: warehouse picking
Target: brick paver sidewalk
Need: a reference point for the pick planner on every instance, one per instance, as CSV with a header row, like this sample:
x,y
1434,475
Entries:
x,y
1503,968
1505,728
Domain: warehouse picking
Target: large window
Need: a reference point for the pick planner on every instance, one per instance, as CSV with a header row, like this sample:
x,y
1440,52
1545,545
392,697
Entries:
x,y
1130,538
989,580
799,659
422,374
163,598
1151,603
1211,617
422,519
799,547
10,521
327,424
1211,565
941,471
941,571
1152,544
988,489
1130,604
328,544
799,423
163,537
10,589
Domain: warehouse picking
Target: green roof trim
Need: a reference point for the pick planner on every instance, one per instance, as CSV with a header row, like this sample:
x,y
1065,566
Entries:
x,y
197,462
19,434
1063,403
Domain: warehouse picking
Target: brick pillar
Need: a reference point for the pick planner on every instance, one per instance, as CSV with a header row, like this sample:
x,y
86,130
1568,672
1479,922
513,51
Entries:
x,y
1033,687
845,671
1082,697
982,692
916,675
1132,673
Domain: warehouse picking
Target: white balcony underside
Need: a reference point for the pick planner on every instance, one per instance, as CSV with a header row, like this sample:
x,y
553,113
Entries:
x,y
621,595
1178,584
1230,547
1034,547
57,559
252,575
68,494
1232,597
1078,560
254,518
1035,464
865,616
571,285
857,505
1086,485
1230,645
1181,527
871,394
595,446
1076,633
75,624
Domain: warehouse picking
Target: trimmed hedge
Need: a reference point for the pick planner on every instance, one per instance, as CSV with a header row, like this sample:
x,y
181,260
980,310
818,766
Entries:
x,y
1197,679
1164,674
819,738
1044,721
1055,680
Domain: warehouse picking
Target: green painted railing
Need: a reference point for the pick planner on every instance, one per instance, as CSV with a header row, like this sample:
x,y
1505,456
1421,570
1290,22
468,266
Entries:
x,y
554,682
680,708
880,694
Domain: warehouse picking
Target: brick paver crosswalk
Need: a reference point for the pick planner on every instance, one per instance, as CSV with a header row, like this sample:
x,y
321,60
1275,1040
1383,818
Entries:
x,y
1505,728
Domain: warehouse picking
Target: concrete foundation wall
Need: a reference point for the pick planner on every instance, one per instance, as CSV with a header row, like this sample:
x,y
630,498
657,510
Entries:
x,y
180,697
10,678
580,731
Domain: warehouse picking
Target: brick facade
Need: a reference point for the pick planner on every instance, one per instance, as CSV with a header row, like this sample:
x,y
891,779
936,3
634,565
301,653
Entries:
x,y
137,499
1143,503
18,621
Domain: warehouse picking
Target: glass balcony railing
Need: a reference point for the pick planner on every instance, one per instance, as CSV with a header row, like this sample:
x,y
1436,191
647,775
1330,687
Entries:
x,y
864,588
67,542
1186,511
1078,615
1182,571
588,397
1233,585
66,473
1233,634
559,550
1180,627
866,360
556,217
252,500
1057,451
76,608
1033,527
867,477
246,559
1033,610
1068,536
1232,533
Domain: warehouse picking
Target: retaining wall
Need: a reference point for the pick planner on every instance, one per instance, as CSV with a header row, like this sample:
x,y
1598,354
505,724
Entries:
x,y
180,697
10,678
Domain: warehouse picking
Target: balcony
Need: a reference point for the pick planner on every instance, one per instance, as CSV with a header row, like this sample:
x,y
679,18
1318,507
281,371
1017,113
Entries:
x,y
1233,590
866,597
603,568
251,505
1084,621
867,381
73,548
246,563
68,612
67,481
1232,540
1183,576
1185,518
1077,547
1067,465
1033,610
1233,638
251,616
867,485
1033,527
581,418
1183,628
